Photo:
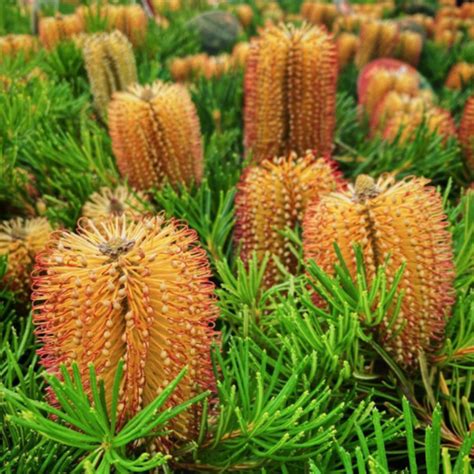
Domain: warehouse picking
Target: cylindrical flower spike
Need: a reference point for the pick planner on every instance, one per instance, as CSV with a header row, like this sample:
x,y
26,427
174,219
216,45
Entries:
x,y
21,239
378,39
114,202
52,30
404,125
347,44
290,92
403,221
137,291
410,47
272,196
382,76
110,65
156,135
14,44
460,75
466,132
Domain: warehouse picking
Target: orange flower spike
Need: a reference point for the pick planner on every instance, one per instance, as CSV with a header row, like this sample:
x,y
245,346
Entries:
x,y
404,220
52,30
290,90
460,75
410,47
114,202
377,40
466,132
272,196
156,135
137,291
436,119
347,44
21,239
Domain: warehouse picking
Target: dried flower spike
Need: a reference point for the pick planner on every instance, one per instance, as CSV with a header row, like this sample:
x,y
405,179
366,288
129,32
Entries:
x,y
21,239
466,132
272,196
114,202
156,135
405,221
110,65
137,291
290,92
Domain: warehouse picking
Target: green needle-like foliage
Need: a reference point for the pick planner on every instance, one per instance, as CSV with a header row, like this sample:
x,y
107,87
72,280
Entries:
x,y
90,427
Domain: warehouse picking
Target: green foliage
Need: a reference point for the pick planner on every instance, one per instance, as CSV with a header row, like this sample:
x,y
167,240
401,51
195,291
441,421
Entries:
x,y
301,387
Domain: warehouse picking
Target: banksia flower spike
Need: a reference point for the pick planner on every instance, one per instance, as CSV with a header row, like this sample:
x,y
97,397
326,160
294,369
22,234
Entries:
x,y
347,44
156,135
114,202
20,240
382,76
137,291
52,30
290,92
110,66
14,44
131,20
272,196
378,39
466,132
405,222
404,125
460,75
410,47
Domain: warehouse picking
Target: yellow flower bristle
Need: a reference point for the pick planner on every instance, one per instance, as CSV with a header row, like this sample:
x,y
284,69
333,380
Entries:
x,y
272,196
405,222
110,66
21,240
114,202
156,135
137,291
290,91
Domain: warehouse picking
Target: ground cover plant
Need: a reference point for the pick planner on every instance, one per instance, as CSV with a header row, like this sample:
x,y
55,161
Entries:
x,y
236,236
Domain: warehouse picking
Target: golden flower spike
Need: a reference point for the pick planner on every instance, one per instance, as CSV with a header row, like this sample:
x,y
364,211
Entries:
x,y
53,30
272,196
404,125
378,39
110,66
11,45
290,92
466,132
20,240
114,202
137,291
156,135
405,222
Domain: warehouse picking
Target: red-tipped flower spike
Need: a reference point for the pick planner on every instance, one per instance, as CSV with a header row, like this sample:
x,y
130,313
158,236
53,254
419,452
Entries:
x,y
290,92
156,135
272,196
403,220
466,132
137,291
21,240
